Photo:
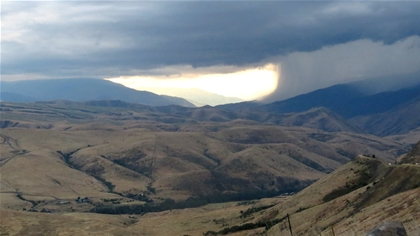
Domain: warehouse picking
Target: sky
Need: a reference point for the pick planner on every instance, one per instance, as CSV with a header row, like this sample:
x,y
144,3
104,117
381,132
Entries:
x,y
268,50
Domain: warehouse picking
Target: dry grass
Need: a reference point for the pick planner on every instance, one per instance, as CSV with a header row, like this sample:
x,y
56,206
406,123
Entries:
x,y
179,158
359,211
193,221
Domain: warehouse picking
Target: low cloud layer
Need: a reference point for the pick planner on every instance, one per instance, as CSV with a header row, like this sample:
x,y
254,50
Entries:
x,y
109,39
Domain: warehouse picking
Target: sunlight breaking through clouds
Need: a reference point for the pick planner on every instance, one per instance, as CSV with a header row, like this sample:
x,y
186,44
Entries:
x,y
248,84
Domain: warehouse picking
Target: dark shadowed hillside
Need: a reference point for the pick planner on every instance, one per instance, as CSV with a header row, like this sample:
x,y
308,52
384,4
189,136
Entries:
x,y
332,98
346,100
399,120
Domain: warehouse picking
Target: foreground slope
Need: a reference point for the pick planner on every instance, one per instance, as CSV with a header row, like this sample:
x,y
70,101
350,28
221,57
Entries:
x,y
354,199
351,213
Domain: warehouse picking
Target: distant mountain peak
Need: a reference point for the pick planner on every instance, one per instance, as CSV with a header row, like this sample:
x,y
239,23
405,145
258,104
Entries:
x,y
80,90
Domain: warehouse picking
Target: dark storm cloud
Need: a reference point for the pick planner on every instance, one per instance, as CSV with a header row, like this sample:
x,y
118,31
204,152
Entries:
x,y
302,72
59,39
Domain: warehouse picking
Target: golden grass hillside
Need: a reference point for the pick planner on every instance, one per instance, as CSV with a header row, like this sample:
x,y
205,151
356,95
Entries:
x,y
354,199
61,160
350,201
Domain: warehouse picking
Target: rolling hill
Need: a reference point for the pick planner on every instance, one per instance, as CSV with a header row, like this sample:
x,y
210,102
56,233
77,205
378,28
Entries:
x,y
320,118
124,149
352,200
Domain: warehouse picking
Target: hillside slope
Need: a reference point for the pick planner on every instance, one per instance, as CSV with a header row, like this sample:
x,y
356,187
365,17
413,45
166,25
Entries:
x,y
118,149
319,118
352,200
399,120
347,100
412,157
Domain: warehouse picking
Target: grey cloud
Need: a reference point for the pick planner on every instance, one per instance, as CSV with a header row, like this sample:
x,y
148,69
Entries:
x,y
61,39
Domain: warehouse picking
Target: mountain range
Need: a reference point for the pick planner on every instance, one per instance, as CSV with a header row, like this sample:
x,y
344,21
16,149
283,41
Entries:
x,y
360,106
120,160
81,90
356,104
346,100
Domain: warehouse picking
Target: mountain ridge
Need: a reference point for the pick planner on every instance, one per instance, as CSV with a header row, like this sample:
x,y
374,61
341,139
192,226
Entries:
x,y
80,89
346,100
196,96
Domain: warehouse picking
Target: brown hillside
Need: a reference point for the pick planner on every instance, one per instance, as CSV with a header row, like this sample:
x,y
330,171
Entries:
x,y
319,118
133,156
350,201
343,200
109,152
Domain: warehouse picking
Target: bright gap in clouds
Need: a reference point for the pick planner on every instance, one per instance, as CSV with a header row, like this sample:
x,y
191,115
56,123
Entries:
x,y
249,84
